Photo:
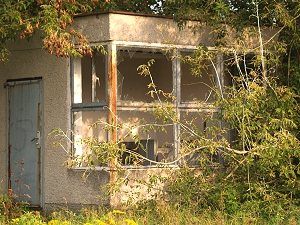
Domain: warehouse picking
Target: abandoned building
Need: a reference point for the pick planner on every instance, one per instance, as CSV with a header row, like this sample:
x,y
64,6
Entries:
x,y
41,92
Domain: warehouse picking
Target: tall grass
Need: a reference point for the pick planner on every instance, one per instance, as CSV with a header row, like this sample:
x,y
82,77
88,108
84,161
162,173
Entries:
x,y
159,212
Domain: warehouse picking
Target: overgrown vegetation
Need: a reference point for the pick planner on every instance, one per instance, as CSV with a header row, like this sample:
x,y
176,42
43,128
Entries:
x,y
161,212
50,19
258,182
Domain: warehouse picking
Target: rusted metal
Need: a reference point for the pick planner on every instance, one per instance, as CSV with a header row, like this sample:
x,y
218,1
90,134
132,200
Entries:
x,y
112,90
112,103
8,140
26,94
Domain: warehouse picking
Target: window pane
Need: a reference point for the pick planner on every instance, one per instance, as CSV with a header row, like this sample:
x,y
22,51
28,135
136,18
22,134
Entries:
x,y
155,134
199,126
88,124
197,88
133,86
239,66
89,79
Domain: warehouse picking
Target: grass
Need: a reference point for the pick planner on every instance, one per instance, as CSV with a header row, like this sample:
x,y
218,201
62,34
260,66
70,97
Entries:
x,y
155,212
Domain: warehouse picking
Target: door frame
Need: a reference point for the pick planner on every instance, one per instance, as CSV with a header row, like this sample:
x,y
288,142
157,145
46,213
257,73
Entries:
x,y
8,83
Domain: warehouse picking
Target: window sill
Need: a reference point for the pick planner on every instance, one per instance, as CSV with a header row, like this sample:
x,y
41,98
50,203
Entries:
x,y
128,167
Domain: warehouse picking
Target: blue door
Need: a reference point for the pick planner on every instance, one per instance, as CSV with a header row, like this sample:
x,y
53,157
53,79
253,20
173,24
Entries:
x,y
24,140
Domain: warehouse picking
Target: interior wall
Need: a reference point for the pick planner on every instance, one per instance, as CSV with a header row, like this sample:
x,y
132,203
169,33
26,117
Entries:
x,y
134,87
89,124
100,82
193,121
145,120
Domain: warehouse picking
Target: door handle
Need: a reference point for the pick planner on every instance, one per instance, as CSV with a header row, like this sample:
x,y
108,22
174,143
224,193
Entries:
x,y
37,138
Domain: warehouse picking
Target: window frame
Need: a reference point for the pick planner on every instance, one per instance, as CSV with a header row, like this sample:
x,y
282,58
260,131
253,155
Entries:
x,y
111,71
76,67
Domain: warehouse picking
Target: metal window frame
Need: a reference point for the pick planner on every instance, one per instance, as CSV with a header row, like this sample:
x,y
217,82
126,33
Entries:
x,y
112,105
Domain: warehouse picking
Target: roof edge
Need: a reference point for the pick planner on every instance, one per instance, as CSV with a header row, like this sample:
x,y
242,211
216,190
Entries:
x,y
122,13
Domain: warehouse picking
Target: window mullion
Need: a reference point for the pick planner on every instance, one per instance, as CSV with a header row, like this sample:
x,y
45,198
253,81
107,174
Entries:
x,y
94,78
177,92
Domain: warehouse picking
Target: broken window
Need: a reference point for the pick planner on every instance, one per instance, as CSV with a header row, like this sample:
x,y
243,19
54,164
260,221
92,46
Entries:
x,y
89,111
88,124
240,67
197,87
159,140
134,87
90,79
200,129
135,92
155,136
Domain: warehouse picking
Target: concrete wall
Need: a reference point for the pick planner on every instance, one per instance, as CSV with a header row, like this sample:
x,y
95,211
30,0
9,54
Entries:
x,y
126,27
136,188
155,30
135,28
62,186
59,184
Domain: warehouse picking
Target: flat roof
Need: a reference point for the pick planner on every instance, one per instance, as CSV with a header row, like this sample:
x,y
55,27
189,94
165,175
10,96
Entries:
x,y
123,13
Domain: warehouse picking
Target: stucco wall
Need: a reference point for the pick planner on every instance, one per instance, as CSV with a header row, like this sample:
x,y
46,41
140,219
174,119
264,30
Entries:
x,y
95,27
135,28
139,185
119,26
59,184
155,30
62,186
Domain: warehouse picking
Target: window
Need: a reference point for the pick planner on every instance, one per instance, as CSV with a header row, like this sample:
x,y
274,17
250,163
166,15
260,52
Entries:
x,y
96,80
203,84
135,104
240,66
158,144
89,99
196,95
131,85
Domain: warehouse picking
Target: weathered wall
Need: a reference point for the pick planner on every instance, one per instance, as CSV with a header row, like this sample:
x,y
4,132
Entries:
x,y
127,27
135,28
96,27
59,185
155,30
136,189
